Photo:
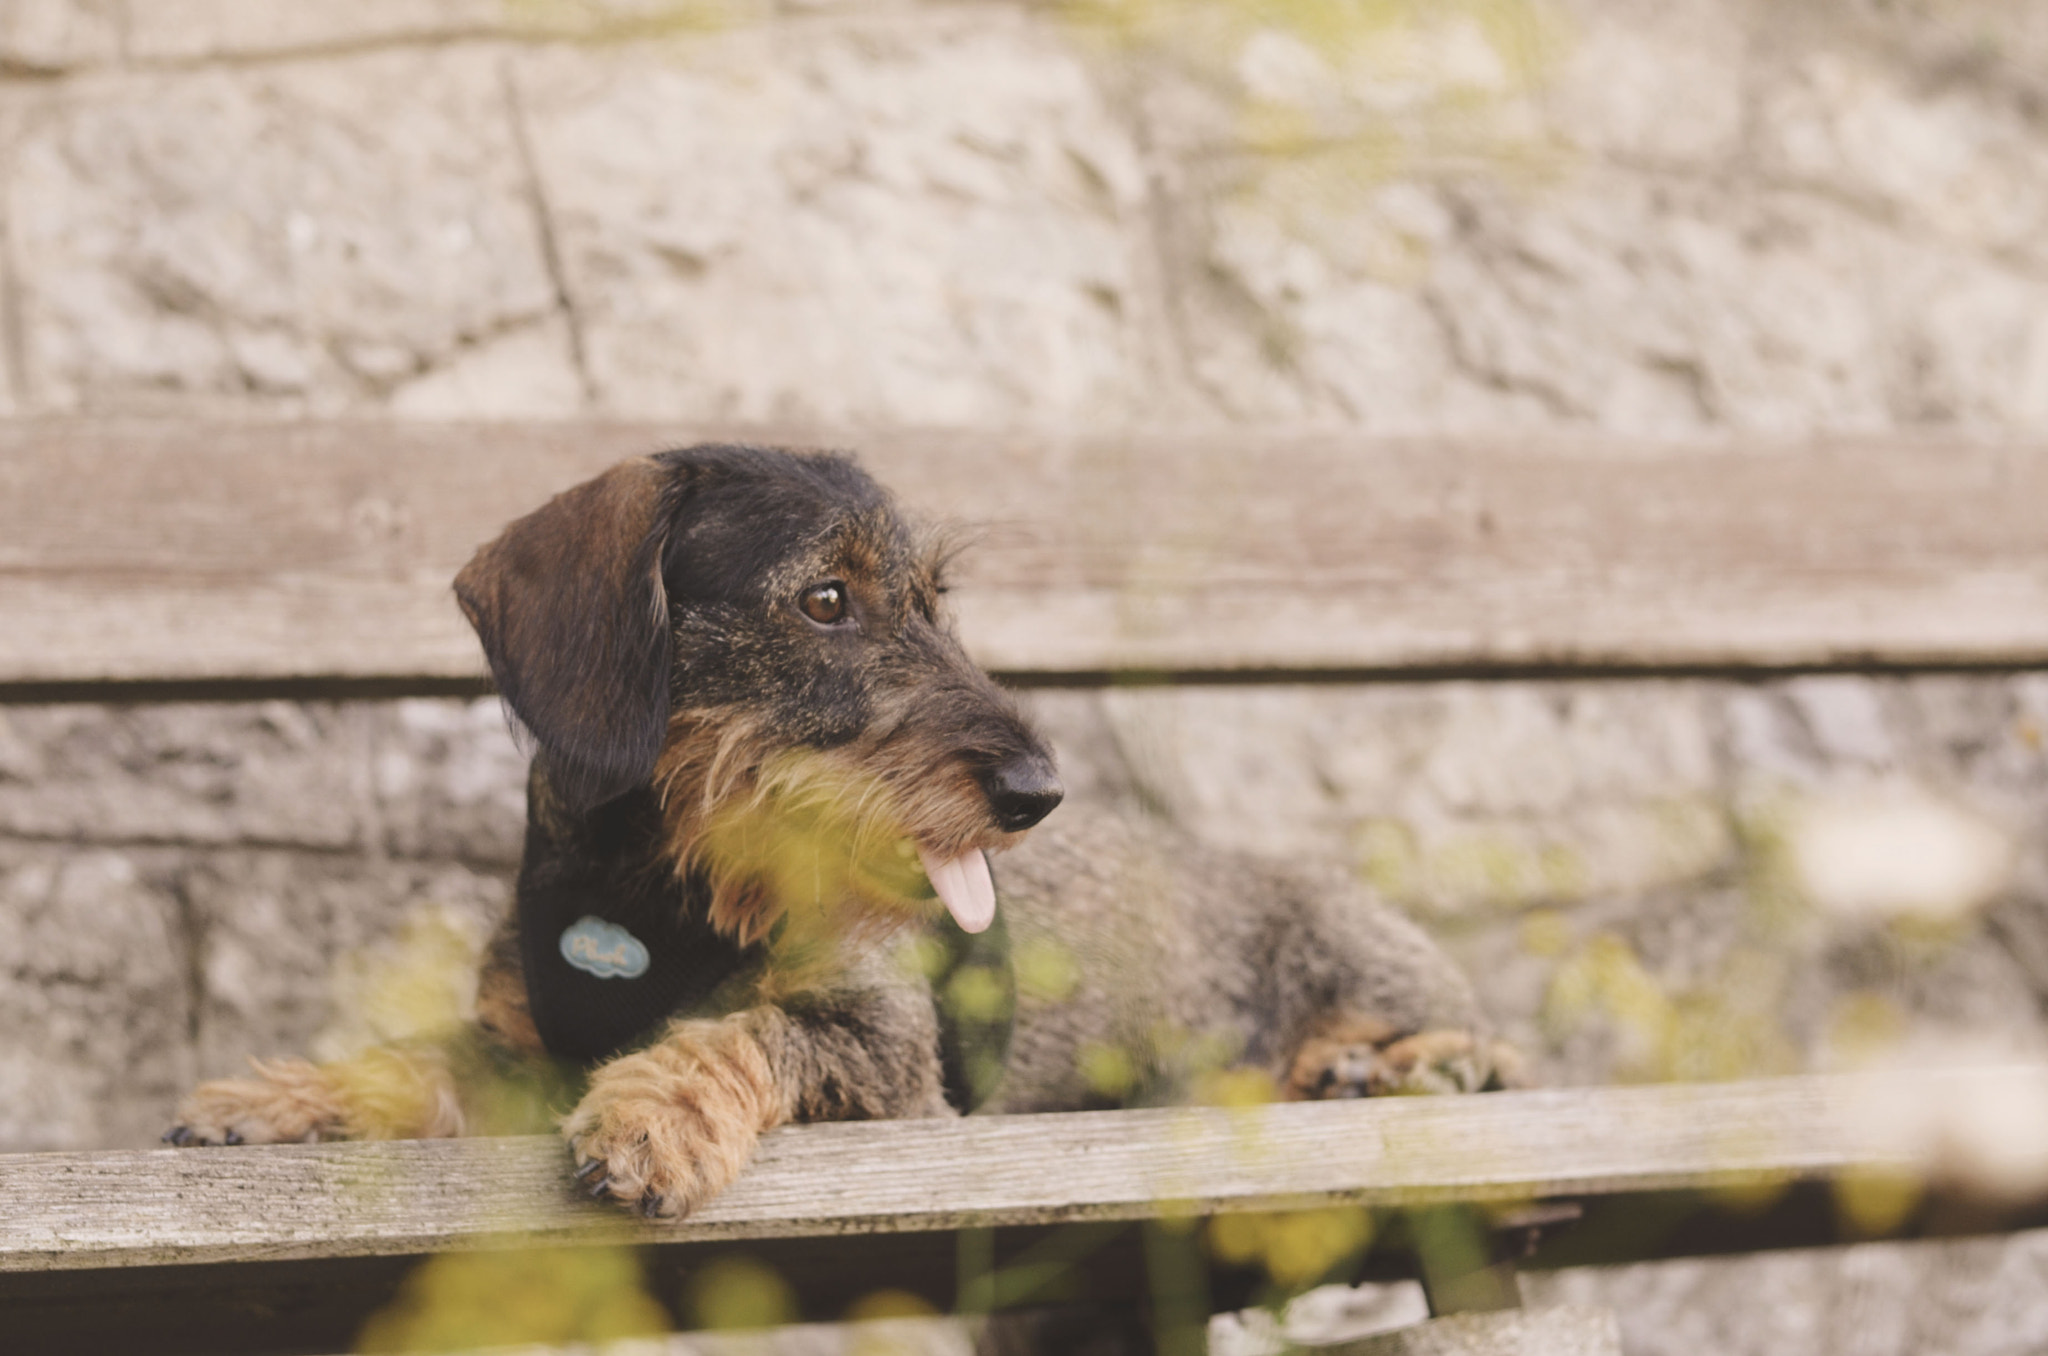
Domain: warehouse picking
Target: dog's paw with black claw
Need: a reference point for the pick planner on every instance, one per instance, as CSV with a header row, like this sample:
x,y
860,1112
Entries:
x,y
288,1102
663,1131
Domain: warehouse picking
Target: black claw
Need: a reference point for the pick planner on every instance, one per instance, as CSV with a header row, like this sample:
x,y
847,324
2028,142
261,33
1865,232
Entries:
x,y
599,1187
650,1206
231,1137
587,1167
178,1135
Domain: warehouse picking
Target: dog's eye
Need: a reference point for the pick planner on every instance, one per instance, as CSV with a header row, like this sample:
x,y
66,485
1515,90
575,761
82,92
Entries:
x,y
824,603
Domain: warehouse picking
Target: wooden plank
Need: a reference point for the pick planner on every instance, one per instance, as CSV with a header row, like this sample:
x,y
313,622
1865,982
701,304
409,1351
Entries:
x,y
186,1207
139,552
1760,1166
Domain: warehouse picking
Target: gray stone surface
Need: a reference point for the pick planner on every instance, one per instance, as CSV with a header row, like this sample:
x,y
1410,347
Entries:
x,y
877,1337
282,945
449,781
197,30
184,32
128,973
1975,1298
270,772
1452,217
191,884
97,995
307,237
41,37
1564,1331
1541,234
937,222
1630,302
426,778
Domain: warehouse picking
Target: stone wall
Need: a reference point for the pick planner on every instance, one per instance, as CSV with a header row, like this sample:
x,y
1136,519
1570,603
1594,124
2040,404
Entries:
x,y
1696,217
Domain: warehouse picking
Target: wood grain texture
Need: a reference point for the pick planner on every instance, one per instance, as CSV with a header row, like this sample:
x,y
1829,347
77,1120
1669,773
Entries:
x,y
136,551
99,1210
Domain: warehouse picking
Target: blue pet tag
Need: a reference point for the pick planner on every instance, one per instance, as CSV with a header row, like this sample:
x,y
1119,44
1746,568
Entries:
x,y
603,949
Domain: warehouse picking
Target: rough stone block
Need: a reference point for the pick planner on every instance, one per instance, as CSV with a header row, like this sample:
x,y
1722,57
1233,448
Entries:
x,y
58,35
1297,158
1644,306
309,236
259,772
1573,1331
931,222
195,30
1365,88
133,972
1326,1314
1327,316
203,30
9,407
450,781
1979,1297
284,943
97,996
421,778
1610,92
527,373
17,102
1451,797
1397,284
1927,114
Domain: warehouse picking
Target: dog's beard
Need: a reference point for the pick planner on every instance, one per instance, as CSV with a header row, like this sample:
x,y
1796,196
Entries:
x,y
814,842
797,851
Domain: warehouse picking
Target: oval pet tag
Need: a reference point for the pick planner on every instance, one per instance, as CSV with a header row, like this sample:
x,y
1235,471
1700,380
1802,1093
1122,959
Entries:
x,y
604,949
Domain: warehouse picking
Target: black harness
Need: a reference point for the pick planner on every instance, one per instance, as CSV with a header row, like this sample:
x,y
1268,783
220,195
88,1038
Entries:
x,y
602,977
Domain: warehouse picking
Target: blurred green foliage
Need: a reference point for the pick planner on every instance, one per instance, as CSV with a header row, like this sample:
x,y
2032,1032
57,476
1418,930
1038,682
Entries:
x,y
738,1292
461,1300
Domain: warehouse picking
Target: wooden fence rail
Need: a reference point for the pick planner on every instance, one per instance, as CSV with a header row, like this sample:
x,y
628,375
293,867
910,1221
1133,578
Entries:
x,y
300,553
259,1248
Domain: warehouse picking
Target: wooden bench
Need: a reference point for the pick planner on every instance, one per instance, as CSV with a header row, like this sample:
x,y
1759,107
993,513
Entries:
x,y
143,561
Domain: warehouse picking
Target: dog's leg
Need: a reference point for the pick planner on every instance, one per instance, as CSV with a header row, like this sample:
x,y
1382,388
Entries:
x,y
503,1010
665,1129
383,1093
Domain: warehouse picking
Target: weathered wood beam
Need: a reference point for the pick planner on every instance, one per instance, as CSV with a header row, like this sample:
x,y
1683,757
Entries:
x,y
290,1249
186,1207
143,552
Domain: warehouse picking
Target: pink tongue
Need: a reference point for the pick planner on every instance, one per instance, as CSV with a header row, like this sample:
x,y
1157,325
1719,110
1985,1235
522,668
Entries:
x,y
964,885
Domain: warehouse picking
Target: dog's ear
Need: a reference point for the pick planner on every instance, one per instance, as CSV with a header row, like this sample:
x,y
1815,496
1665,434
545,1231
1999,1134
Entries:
x,y
573,615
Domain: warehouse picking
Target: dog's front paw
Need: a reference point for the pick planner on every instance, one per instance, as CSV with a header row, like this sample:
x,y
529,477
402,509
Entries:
x,y
1443,1060
288,1102
1431,1061
665,1130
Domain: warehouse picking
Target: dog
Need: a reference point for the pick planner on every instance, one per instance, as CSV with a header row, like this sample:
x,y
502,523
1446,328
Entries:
x,y
767,788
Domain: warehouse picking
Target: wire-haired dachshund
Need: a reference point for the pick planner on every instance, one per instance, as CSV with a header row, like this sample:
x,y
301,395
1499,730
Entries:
x,y
777,869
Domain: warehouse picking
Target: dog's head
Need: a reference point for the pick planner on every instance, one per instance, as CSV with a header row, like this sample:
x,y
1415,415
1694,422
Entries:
x,y
759,636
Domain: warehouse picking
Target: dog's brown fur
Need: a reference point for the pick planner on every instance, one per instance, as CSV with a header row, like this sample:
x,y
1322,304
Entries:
x,y
710,748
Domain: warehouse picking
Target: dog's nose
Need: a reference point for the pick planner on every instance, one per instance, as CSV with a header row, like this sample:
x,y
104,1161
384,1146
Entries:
x,y
1022,791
